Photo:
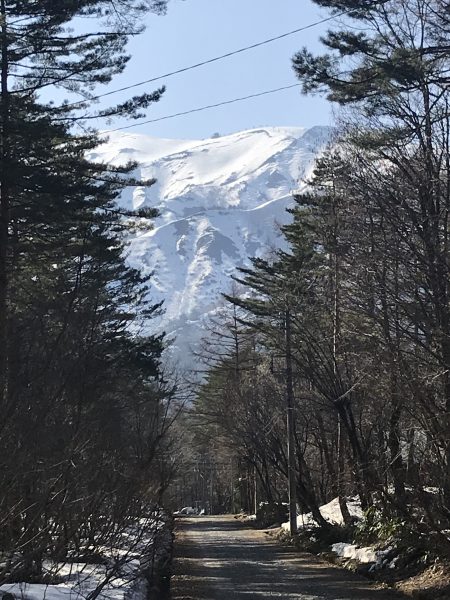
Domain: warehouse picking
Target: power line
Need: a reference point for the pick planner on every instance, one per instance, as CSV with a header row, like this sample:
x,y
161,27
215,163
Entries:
x,y
210,60
194,110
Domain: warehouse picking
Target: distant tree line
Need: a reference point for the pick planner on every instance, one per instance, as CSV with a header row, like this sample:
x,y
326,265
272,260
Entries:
x,y
366,282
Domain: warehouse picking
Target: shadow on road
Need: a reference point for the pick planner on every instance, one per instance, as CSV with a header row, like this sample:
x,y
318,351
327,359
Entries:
x,y
218,558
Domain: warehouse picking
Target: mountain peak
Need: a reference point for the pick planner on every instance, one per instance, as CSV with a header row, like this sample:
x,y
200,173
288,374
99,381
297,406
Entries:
x,y
221,200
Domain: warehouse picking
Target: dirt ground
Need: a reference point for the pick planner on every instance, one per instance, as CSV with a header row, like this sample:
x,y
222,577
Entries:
x,y
432,583
217,558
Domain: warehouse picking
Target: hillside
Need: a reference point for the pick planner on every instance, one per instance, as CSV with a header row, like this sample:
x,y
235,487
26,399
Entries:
x,y
221,200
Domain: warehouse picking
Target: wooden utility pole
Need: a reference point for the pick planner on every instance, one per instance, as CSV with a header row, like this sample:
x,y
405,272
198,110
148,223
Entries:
x,y
255,489
290,427
231,487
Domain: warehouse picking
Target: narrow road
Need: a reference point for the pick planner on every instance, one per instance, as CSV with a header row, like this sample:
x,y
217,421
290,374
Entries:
x,y
216,558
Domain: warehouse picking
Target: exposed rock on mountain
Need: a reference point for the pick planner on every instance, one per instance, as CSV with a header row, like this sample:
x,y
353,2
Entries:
x,y
221,200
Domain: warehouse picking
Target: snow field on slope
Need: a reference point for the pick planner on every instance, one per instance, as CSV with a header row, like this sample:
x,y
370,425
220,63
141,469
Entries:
x,y
221,201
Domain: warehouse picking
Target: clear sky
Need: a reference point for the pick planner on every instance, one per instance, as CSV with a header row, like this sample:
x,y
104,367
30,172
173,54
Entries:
x,y
195,30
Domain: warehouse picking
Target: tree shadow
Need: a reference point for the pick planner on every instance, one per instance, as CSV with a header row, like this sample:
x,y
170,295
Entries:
x,y
220,559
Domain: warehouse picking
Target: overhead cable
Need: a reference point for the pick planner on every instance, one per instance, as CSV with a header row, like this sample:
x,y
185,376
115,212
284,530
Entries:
x,y
202,108
208,61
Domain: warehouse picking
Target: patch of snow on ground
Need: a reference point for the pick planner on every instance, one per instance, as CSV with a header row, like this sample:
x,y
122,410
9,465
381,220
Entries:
x,y
361,555
350,551
120,578
331,512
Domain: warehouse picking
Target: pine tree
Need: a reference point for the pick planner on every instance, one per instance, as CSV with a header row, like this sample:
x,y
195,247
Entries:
x,y
390,72
39,51
75,375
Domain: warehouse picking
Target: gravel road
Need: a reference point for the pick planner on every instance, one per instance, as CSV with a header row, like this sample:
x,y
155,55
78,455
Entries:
x,y
217,558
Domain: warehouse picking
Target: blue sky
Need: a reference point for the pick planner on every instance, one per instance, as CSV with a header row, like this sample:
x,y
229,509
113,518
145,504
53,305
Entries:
x,y
195,30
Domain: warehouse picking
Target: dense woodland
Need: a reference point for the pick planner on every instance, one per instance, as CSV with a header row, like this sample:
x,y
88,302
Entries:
x,y
84,404
353,316
363,290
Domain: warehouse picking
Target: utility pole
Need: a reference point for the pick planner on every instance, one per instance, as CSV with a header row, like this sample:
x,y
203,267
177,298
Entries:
x,y
211,490
231,487
290,427
255,495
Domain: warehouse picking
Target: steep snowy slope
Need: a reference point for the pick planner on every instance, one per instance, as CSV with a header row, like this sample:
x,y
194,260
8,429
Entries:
x,y
221,200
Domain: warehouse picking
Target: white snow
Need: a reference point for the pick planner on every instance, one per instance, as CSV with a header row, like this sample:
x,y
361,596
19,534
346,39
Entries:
x,y
221,200
131,555
365,555
350,551
331,512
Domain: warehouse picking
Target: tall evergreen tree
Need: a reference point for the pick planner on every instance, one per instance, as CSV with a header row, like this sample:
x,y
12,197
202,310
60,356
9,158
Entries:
x,y
391,73
84,407
40,50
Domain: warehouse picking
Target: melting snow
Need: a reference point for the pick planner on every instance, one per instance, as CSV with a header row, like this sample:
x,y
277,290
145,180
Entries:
x,y
331,512
79,580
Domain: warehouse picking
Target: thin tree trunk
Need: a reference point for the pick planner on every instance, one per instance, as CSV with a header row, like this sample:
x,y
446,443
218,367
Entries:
x,y
340,479
4,204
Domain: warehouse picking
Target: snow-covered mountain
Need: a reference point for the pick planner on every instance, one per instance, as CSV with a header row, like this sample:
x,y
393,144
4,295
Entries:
x,y
221,200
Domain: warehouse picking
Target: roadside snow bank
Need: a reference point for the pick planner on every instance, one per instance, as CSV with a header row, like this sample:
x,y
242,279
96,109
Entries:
x,y
352,552
331,512
122,572
80,581
362,555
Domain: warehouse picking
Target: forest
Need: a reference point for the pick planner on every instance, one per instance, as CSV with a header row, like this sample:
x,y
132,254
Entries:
x,y
326,373
84,402
348,327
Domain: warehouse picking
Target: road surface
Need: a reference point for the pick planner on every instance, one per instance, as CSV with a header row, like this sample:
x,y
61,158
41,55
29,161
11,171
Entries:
x,y
217,558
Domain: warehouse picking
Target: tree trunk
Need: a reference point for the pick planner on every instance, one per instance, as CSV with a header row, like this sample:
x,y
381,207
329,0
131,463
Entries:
x,y
4,205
